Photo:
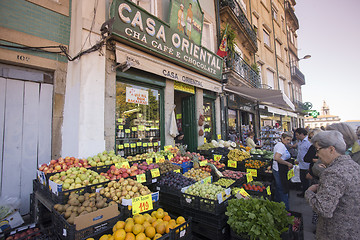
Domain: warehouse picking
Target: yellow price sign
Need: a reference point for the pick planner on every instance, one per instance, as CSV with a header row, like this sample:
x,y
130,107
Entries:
x,y
133,145
205,140
253,172
177,170
120,119
243,192
203,163
121,146
117,165
147,129
160,159
124,165
217,157
155,173
219,136
290,174
268,190
150,144
149,161
167,148
156,144
232,164
142,204
141,128
134,129
170,156
121,127
127,131
139,144
249,177
141,178
126,145
145,144
207,180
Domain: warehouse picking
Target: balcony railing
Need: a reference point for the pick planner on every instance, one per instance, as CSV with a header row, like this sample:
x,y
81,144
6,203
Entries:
x,y
239,66
297,75
292,15
240,15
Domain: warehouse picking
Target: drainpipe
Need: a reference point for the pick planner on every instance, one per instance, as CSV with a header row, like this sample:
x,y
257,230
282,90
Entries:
x,y
276,62
217,11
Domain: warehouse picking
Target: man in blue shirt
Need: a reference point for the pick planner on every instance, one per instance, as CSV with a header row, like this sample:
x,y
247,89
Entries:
x,y
303,146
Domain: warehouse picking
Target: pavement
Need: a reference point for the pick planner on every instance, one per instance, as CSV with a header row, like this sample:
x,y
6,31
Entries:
x,y
300,205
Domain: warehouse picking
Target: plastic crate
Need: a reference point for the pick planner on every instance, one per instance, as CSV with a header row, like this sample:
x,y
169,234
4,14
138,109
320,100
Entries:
x,y
42,189
237,182
64,230
217,221
207,205
210,232
185,166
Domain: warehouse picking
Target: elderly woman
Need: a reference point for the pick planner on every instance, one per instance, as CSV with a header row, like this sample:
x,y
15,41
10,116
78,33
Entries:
x,y
337,196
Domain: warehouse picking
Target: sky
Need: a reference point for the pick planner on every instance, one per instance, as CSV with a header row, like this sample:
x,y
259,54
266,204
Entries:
x,y
329,31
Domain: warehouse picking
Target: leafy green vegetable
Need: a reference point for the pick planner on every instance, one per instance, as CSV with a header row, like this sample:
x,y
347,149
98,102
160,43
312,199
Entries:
x,y
258,218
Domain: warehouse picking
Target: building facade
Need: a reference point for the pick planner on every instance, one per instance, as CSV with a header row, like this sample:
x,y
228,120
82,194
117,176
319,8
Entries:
x,y
322,120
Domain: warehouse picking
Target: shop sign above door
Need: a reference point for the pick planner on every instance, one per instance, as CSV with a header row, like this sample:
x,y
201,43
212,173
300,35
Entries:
x,y
136,26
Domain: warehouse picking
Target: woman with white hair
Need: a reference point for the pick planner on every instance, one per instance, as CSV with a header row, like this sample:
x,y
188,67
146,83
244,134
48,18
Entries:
x,y
337,196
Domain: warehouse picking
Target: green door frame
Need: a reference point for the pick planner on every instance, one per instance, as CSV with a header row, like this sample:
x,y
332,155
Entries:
x,y
188,122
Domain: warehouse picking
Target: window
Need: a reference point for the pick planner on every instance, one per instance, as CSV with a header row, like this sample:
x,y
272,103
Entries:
x,y
278,48
267,38
270,78
207,39
238,50
283,23
59,6
275,16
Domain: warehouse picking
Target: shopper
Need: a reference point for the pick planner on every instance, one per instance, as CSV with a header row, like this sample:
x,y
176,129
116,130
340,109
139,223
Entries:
x,y
311,158
281,166
350,138
302,148
179,139
337,196
250,140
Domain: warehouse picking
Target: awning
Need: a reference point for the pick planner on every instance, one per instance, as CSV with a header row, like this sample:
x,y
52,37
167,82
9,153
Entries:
x,y
280,111
268,97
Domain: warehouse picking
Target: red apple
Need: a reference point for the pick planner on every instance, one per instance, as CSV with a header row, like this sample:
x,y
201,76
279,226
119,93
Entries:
x,y
53,161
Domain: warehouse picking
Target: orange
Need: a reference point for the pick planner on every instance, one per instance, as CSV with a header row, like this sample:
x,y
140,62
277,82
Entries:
x,y
160,228
119,225
180,220
129,236
166,218
141,236
159,214
104,237
157,236
119,234
150,232
138,228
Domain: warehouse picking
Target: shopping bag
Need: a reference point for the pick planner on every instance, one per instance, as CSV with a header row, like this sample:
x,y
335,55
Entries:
x,y
296,177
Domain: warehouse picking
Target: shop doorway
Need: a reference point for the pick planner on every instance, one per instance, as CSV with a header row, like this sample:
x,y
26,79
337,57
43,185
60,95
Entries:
x,y
185,118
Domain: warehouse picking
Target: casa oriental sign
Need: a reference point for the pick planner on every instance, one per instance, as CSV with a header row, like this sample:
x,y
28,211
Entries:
x,y
135,26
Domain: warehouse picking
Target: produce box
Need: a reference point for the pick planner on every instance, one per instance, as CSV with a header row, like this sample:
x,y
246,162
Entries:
x,y
11,221
86,225
209,232
225,182
30,232
186,166
217,221
41,188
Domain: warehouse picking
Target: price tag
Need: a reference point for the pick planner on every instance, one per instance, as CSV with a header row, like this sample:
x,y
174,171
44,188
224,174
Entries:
x,y
253,172
124,165
167,148
155,172
203,163
217,157
141,128
157,121
160,159
219,136
117,165
232,163
121,146
207,180
156,144
139,144
120,119
134,129
170,156
147,129
140,115
127,131
178,116
150,144
177,170
243,192
290,174
121,127
133,145
268,190
144,144
205,140
249,177
142,204
126,145
149,161
141,178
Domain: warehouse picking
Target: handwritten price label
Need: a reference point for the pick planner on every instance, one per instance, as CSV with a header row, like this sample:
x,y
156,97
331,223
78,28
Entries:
x,y
219,136
167,148
120,119
249,177
139,144
155,173
217,157
177,170
133,145
160,159
290,174
232,164
150,144
141,178
253,172
149,161
121,146
170,156
141,128
156,144
121,127
203,163
127,131
244,193
207,180
204,140
144,144
268,190
134,129
126,145
125,165
142,204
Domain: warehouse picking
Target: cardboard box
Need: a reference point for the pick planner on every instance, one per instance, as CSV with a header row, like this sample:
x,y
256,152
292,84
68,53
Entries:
x,y
101,215
128,202
11,221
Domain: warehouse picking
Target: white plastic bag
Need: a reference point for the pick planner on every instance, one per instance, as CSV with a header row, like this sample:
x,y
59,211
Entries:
x,y
296,177
173,127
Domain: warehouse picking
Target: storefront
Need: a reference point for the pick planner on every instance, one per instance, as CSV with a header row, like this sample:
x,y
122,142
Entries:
x,y
157,73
